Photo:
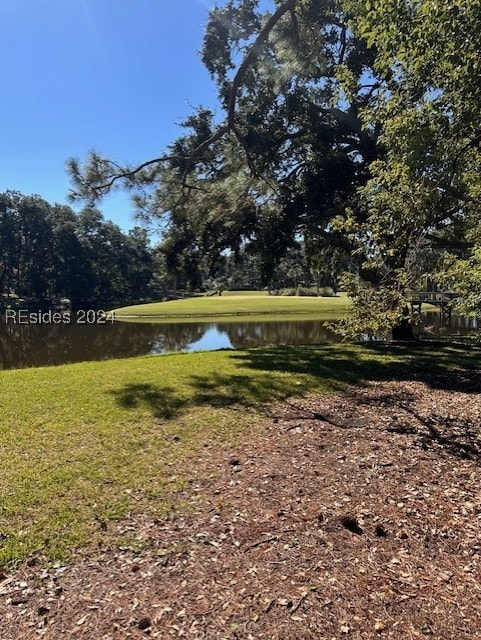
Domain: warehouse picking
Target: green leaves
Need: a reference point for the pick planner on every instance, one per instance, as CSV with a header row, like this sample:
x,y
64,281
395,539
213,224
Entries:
x,y
352,123
422,196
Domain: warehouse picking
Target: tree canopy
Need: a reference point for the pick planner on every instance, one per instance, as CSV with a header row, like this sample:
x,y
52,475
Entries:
x,y
351,126
49,251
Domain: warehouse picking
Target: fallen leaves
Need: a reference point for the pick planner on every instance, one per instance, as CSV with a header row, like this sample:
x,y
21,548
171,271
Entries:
x,y
362,522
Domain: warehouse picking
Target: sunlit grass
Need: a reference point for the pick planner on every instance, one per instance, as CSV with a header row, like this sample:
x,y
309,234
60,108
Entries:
x,y
240,304
83,445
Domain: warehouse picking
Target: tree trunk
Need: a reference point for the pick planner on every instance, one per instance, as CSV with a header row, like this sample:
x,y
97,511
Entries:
x,y
403,331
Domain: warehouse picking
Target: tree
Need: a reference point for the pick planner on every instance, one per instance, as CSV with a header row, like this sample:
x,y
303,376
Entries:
x,y
72,271
35,252
349,124
118,266
25,250
48,251
8,240
423,195
289,154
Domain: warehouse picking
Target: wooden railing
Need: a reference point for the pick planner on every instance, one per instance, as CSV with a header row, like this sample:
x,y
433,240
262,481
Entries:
x,y
432,297
441,299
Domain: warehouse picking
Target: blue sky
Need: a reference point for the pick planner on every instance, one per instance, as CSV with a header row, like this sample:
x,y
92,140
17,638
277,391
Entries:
x,y
110,75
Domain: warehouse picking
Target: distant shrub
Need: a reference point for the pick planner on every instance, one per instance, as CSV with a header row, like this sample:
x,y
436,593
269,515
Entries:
x,y
305,292
327,292
300,291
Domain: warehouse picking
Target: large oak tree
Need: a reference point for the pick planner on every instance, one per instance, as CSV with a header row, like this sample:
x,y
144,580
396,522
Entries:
x,y
347,124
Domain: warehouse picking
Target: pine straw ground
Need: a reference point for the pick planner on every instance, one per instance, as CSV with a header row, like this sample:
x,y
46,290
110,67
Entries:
x,y
351,516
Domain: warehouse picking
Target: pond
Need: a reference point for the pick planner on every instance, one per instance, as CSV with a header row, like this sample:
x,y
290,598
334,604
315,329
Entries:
x,y
34,345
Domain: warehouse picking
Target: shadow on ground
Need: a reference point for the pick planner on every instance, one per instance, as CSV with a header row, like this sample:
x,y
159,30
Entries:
x,y
271,374
261,376
455,368
163,402
427,425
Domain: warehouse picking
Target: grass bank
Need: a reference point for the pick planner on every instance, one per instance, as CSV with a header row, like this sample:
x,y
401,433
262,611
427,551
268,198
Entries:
x,y
236,304
83,445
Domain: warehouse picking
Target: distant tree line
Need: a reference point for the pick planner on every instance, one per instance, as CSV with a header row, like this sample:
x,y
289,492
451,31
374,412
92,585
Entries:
x,y
298,270
49,252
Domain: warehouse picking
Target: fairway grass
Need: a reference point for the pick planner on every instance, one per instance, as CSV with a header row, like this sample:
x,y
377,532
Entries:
x,y
84,445
239,304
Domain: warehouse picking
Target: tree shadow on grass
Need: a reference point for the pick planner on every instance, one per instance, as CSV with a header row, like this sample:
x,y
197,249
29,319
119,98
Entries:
x,y
215,391
219,390
334,367
450,367
323,368
161,401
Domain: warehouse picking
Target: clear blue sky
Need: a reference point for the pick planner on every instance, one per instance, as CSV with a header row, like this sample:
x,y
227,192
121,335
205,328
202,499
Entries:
x,y
110,75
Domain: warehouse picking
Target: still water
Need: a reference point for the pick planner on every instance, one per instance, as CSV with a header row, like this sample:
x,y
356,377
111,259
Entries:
x,y
34,345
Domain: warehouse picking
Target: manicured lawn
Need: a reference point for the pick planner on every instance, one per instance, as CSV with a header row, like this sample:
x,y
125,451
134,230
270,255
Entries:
x,y
83,445
240,303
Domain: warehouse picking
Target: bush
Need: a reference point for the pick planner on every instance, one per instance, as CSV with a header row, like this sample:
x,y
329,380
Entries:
x,y
327,292
303,291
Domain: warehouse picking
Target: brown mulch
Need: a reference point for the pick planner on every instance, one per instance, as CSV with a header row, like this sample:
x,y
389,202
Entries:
x,y
351,516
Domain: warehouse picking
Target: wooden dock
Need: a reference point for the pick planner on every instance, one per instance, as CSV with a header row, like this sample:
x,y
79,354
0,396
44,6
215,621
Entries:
x,y
441,299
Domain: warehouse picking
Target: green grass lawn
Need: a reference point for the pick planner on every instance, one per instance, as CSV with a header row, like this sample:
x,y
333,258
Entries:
x,y
83,445
237,304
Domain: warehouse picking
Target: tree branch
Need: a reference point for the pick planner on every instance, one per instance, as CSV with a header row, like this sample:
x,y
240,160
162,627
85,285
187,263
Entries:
x,y
133,172
343,48
473,142
252,55
447,243
130,174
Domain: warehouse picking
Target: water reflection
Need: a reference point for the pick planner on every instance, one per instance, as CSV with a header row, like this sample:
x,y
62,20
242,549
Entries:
x,y
288,332
431,325
29,345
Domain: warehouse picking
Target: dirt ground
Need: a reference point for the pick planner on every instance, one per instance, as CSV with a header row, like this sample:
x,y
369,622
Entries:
x,y
351,516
